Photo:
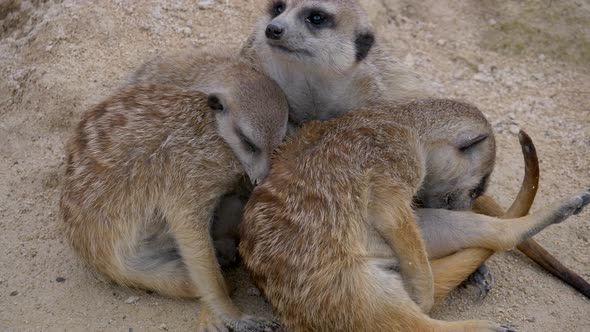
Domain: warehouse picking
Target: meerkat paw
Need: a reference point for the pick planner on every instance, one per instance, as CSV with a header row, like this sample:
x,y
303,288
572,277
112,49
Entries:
x,y
482,280
211,323
572,206
255,324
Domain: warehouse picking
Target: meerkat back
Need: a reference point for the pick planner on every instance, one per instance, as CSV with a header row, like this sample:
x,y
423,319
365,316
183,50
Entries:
x,y
146,168
187,69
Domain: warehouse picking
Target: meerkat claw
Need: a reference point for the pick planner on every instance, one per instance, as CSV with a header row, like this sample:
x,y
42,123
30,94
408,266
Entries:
x,y
585,200
482,279
256,324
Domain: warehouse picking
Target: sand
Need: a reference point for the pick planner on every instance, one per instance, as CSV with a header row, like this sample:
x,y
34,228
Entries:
x,y
525,64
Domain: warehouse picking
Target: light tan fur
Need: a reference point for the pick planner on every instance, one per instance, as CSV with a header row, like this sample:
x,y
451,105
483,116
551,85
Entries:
x,y
332,239
145,170
324,71
329,69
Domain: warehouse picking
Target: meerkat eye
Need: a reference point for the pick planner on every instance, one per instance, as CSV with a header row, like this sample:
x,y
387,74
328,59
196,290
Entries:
x,y
277,9
469,143
247,143
250,146
316,18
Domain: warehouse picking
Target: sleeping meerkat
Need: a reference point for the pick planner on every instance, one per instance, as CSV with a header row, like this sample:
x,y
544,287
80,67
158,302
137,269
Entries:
x,y
325,57
145,170
331,236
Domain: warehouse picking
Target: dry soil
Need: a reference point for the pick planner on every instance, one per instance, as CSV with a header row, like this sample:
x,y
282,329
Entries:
x,y
526,64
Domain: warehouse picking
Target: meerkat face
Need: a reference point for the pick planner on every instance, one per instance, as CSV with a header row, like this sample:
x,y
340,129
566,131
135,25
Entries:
x,y
252,128
458,171
333,35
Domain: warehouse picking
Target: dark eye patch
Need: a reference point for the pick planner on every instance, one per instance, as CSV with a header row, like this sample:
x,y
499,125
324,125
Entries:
x,y
246,142
318,18
276,8
363,44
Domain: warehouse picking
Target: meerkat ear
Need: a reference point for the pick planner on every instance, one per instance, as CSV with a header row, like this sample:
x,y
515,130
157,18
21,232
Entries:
x,y
468,140
215,102
363,43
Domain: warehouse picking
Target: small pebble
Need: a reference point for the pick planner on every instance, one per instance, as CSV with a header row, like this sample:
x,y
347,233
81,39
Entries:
x,y
484,78
441,42
204,4
60,279
163,327
492,21
409,60
185,31
14,293
132,300
541,56
514,130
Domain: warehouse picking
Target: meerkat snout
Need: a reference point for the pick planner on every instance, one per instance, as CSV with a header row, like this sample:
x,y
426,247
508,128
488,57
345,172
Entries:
x,y
274,31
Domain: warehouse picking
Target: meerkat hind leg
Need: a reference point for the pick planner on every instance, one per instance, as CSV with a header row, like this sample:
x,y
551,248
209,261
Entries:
x,y
156,264
446,232
450,271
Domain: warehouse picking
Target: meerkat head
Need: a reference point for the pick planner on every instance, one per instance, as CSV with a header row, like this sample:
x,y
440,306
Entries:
x,y
251,112
329,34
460,160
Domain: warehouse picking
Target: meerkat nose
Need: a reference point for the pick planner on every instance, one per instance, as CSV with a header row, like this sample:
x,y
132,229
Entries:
x,y
274,31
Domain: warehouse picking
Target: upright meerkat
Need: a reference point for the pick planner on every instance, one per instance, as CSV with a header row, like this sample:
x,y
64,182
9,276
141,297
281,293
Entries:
x,y
325,57
145,170
331,236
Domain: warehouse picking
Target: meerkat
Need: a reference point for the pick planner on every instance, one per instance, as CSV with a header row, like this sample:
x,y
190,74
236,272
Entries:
x,y
325,57
145,170
332,238
328,61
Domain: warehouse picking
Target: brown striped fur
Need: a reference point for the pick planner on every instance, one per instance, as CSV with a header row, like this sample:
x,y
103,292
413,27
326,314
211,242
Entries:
x,y
332,239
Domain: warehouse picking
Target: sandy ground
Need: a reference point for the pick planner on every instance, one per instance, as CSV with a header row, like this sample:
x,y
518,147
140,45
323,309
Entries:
x,y
526,64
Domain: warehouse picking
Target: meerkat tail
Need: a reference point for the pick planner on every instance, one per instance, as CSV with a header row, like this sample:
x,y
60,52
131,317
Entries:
x,y
539,255
520,207
530,184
